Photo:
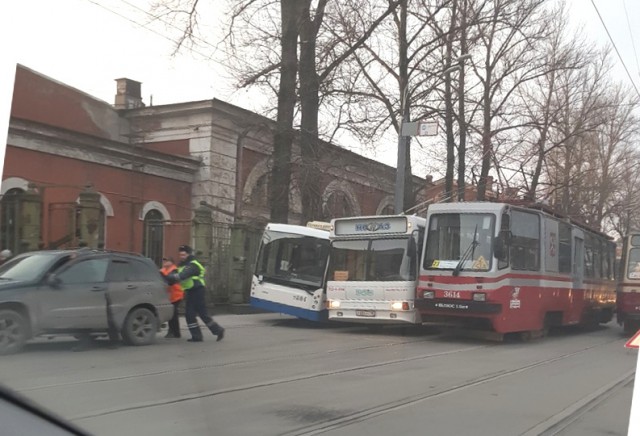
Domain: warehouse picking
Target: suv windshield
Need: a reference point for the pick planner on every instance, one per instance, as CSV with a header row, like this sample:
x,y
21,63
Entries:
x,y
452,235
26,268
380,260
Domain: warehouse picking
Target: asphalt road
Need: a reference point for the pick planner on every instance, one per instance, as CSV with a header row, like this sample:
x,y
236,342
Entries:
x,y
274,375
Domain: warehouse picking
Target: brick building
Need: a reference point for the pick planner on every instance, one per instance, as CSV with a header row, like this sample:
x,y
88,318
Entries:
x,y
72,176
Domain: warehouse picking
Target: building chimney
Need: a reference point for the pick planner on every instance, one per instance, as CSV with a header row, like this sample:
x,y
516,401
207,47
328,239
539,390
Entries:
x,y
511,193
128,94
489,186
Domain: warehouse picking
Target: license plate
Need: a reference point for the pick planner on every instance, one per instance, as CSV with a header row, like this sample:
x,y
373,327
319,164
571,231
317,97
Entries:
x,y
368,313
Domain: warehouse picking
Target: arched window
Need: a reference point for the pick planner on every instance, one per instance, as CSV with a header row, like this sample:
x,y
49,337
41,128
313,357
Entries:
x,y
10,229
337,206
153,236
260,192
388,210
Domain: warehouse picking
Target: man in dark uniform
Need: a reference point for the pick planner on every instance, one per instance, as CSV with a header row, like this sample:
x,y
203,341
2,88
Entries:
x,y
190,275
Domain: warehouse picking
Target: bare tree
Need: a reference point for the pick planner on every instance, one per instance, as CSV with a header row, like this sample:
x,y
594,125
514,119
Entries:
x,y
392,76
511,30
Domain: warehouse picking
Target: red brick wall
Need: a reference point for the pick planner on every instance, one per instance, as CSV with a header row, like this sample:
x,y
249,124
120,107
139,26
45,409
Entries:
x,y
121,187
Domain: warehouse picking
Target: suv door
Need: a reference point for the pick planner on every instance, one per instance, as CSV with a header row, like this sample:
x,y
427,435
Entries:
x,y
78,299
132,282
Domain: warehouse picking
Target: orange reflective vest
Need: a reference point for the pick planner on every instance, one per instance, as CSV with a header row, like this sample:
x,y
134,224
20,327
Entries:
x,y
176,293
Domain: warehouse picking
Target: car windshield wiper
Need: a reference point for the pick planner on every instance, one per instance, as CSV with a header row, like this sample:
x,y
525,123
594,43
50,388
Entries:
x,y
469,252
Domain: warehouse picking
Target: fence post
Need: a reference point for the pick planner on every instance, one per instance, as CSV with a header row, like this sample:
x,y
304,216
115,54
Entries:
x,y
90,217
31,216
244,244
202,238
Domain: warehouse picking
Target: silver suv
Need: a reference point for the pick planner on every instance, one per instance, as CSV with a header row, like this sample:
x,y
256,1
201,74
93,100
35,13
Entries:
x,y
80,292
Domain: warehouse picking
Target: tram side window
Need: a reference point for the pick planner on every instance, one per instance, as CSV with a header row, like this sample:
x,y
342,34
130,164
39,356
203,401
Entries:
x,y
564,249
525,241
596,264
606,267
612,261
589,270
597,257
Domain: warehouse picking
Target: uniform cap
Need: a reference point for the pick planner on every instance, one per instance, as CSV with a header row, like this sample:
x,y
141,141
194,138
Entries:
x,y
186,249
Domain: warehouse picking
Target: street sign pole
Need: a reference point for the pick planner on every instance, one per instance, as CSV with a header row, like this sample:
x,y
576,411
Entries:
x,y
408,129
402,163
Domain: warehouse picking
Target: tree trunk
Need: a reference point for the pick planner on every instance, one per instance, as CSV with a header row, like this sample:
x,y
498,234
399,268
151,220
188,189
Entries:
x,y
403,47
283,137
310,175
462,126
542,141
486,138
448,120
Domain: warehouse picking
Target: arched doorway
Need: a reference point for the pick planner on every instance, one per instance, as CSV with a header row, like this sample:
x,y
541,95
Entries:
x,y
10,232
153,236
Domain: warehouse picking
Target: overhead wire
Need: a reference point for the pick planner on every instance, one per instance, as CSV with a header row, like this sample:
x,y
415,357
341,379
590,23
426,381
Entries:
x,y
633,44
624,65
208,57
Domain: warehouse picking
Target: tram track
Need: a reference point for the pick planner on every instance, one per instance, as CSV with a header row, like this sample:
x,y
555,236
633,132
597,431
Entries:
x,y
373,412
237,363
351,418
561,421
272,383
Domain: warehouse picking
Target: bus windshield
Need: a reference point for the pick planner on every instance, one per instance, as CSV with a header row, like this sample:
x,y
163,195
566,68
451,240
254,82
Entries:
x,y
292,260
633,264
455,238
381,260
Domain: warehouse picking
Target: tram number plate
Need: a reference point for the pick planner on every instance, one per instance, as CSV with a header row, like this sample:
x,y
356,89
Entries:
x,y
368,313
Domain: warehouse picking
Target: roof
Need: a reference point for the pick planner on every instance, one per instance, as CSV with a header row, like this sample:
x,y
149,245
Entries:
x,y
298,230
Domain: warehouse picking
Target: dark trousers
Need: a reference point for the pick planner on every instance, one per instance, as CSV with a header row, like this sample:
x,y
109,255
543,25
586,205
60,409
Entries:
x,y
174,323
196,306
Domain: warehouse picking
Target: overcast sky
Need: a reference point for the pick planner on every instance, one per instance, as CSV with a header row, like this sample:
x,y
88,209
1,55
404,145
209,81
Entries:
x,y
89,43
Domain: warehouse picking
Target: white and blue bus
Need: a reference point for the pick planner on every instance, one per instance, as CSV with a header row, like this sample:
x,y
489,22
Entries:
x,y
373,269
290,270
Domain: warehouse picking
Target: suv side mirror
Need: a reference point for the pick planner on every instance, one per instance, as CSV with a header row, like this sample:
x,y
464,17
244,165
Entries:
x,y
54,281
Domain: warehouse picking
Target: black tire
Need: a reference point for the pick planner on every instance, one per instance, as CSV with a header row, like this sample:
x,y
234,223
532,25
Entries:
x,y
14,332
140,327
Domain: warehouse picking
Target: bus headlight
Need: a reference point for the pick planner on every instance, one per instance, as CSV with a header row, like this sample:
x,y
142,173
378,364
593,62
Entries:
x,y
479,296
334,304
429,294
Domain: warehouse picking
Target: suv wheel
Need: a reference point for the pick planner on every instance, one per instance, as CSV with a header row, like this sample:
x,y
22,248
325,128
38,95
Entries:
x,y
140,327
13,332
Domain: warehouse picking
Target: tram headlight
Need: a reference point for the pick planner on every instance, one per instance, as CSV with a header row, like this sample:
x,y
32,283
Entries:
x,y
334,304
396,305
479,296
429,294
